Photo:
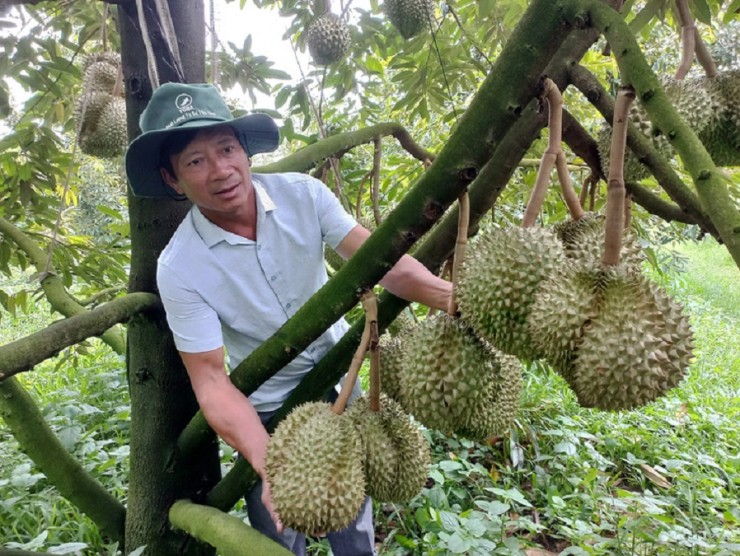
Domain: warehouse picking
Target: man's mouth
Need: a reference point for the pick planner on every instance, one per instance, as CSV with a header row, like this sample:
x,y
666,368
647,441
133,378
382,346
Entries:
x,y
227,190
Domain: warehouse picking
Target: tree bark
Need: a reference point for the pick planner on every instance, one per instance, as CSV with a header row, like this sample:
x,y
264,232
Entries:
x,y
162,401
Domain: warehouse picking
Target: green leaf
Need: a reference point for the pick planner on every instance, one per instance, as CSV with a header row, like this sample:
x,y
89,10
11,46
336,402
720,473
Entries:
x,y
732,11
110,212
701,11
645,15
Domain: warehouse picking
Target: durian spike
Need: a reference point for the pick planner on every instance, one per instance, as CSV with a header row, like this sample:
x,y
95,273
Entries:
x,y
461,245
615,190
371,312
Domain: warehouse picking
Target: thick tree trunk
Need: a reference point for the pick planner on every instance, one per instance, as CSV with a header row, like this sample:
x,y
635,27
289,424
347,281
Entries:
x,y
162,401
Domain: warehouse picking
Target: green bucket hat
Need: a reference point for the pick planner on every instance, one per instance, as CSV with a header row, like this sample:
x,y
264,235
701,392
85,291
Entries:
x,y
179,106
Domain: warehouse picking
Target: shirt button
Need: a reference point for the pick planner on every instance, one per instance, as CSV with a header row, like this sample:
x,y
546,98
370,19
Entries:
x,y
288,306
259,248
273,278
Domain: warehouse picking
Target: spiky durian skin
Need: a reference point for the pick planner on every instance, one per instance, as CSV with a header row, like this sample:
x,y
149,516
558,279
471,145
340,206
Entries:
x,y
584,239
108,138
444,370
391,352
328,39
101,77
315,470
499,277
410,17
396,454
618,341
110,58
496,410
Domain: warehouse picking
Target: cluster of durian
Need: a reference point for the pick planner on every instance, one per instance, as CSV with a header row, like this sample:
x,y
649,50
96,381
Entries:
x,y
409,17
328,36
321,462
100,114
709,105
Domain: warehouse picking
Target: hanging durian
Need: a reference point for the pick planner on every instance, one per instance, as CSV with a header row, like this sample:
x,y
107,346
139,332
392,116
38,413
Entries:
x,y
450,380
314,460
616,338
396,454
410,17
315,470
328,36
101,111
504,268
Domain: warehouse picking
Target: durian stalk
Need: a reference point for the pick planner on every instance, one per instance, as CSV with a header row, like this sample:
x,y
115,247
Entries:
x,y
374,398
461,245
552,157
371,308
615,192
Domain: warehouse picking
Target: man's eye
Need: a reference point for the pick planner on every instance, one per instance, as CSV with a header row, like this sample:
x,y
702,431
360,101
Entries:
x,y
229,149
194,162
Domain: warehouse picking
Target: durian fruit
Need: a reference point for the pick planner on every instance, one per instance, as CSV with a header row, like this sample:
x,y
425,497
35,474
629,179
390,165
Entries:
x,y
709,106
584,239
410,17
396,454
101,115
106,136
499,277
444,370
392,349
328,39
618,341
315,470
496,409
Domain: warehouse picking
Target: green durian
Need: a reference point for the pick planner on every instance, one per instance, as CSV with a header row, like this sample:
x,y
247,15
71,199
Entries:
x,y
108,138
410,17
584,238
498,280
618,340
443,372
496,409
396,454
328,39
315,469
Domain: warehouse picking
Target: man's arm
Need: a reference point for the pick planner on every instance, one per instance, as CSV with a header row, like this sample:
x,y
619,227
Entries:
x,y
408,279
230,413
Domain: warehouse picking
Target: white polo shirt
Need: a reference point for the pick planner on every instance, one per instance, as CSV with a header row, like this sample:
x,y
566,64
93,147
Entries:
x,y
221,289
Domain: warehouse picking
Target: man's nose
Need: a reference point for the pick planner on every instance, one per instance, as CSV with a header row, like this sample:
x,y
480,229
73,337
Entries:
x,y
219,167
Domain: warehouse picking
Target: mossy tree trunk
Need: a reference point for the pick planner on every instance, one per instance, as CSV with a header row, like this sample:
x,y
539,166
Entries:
x,y
162,401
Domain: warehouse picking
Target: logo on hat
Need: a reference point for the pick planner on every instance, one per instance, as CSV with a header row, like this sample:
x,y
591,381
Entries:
x,y
184,102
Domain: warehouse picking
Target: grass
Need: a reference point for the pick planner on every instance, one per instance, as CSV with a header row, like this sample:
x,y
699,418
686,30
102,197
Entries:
x,y
662,480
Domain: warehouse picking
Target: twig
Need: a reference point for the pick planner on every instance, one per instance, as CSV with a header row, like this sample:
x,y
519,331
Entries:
x,y
377,157
461,245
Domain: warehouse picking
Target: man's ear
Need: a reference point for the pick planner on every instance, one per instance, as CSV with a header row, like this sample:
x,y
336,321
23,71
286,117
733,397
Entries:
x,y
170,180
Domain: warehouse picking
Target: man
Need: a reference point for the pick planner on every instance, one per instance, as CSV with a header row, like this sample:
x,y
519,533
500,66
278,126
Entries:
x,y
245,258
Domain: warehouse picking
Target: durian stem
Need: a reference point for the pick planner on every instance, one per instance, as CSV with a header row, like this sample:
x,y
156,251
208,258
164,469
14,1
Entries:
x,y
371,314
615,192
375,377
445,274
627,210
692,43
461,246
588,186
550,156
566,185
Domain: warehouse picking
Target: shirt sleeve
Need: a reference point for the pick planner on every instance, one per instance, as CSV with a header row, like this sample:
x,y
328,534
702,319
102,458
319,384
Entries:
x,y
335,222
194,324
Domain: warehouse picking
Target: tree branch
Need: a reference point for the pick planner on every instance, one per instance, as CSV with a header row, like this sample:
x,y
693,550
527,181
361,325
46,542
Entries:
x,y
710,181
227,533
23,354
308,157
647,154
37,440
53,287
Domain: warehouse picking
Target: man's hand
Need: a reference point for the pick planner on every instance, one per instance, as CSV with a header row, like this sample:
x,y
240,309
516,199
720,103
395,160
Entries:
x,y
268,503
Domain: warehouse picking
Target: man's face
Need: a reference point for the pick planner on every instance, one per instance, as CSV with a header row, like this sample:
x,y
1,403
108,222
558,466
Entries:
x,y
213,172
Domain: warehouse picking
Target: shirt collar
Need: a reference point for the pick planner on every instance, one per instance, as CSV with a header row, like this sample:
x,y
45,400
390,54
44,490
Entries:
x,y
211,234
